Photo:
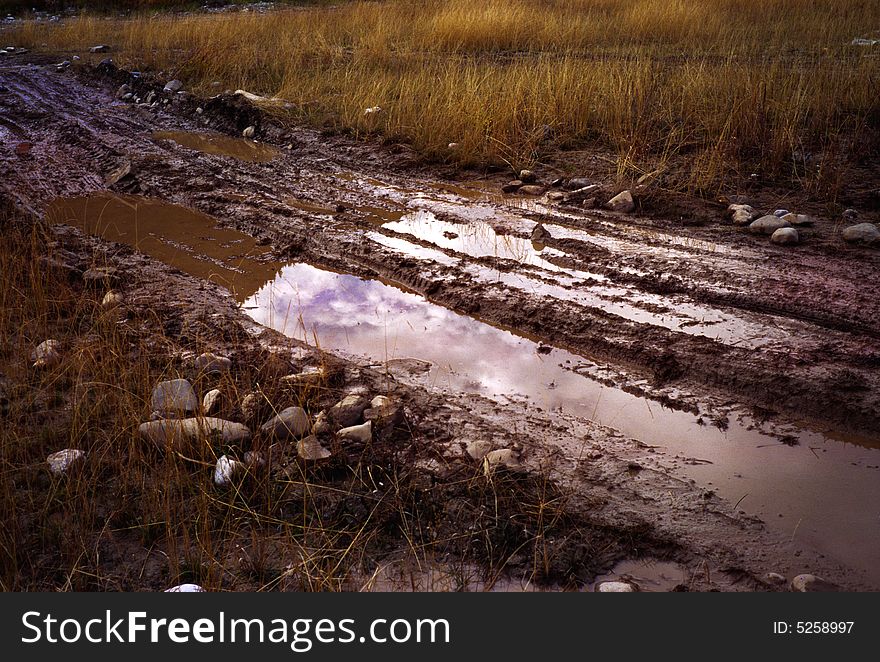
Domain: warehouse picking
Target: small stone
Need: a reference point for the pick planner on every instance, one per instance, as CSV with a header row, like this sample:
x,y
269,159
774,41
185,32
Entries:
x,y
850,214
768,225
774,578
310,448
478,450
185,588
779,213
62,461
576,183
799,220
322,425
531,189
227,471
622,202
502,458
184,434
358,433
512,187
291,423
252,404
174,397
380,401
210,364
173,86
862,233
199,110
540,234
347,411
785,237
112,299
556,196
103,48
46,354
211,401
249,132
527,177
616,587
742,217
807,583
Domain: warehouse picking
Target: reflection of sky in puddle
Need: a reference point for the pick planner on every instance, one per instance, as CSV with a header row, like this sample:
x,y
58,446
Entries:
x,y
381,322
219,144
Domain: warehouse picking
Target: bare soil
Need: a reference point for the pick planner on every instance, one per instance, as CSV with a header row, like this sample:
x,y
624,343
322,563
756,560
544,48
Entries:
x,y
700,316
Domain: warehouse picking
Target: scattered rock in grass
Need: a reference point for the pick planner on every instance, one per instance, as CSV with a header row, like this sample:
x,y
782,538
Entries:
x,y
290,423
576,183
373,110
504,458
227,471
616,587
174,397
211,364
862,233
249,132
478,450
309,448
252,405
185,588
62,461
531,189
362,434
211,401
173,86
347,411
46,354
512,187
808,583
112,299
527,177
622,202
183,433
102,48
540,234
768,225
785,237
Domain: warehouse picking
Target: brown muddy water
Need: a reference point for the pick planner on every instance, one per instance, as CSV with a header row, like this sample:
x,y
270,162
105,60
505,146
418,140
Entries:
x,y
218,144
823,492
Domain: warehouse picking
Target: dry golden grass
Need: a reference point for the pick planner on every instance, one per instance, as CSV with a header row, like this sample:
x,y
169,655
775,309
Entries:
x,y
729,86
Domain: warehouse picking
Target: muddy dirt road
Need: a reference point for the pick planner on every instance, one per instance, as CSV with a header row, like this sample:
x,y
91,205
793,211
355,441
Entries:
x,y
747,369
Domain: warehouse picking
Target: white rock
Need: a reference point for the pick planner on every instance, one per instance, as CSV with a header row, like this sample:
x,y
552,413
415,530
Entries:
x,y
504,457
61,461
211,401
174,397
807,583
768,225
227,471
862,233
622,202
615,587
360,433
785,237
380,401
527,176
373,110
292,422
799,219
309,448
478,449
774,578
185,588
46,354
173,86
112,299
249,132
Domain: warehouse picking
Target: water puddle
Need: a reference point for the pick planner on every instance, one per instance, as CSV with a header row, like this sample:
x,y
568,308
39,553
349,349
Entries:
x,y
178,236
795,489
219,144
650,576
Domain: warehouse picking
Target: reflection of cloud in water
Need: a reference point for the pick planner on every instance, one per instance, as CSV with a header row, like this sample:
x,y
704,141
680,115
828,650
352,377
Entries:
x,y
370,318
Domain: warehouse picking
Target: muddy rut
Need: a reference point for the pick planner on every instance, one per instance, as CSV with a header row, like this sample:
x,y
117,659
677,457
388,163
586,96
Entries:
x,y
726,336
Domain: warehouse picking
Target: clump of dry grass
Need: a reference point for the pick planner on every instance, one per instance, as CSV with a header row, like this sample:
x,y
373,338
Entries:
x,y
729,87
